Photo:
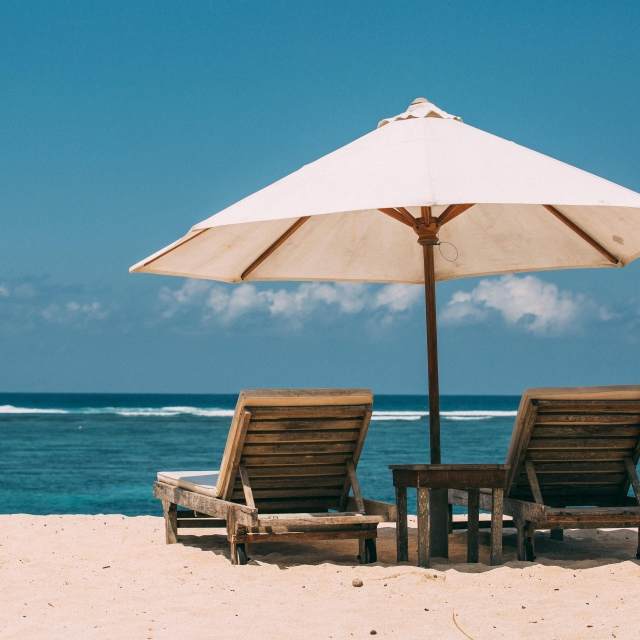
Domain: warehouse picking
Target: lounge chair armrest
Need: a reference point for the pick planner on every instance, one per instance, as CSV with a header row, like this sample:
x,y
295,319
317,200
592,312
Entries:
x,y
515,508
205,504
460,498
375,508
519,509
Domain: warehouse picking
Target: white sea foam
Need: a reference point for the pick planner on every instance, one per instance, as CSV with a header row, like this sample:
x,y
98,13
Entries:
x,y
448,415
169,412
7,408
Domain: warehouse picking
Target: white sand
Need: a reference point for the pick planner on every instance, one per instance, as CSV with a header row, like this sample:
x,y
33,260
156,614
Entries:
x,y
113,577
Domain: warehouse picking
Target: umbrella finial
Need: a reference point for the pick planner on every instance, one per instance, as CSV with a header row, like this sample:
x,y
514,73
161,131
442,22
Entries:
x,y
420,108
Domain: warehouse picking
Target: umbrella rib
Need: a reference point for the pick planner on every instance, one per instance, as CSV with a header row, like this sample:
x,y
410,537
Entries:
x,y
175,246
399,216
408,216
585,236
265,254
451,212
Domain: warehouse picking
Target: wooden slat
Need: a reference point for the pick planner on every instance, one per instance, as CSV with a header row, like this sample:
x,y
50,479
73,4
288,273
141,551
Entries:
x,y
318,519
275,437
588,406
582,443
297,504
298,470
550,479
589,418
602,431
581,455
294,481
307,413
435,477
303,425
202,523
304,536
316,492
300,459
298,448
579,467
595,513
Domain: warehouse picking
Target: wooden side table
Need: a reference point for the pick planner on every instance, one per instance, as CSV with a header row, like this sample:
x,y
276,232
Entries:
x,y
471,477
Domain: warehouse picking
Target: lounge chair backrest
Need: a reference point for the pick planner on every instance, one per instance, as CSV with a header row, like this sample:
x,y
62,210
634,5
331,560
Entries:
x,y
296,445
575,441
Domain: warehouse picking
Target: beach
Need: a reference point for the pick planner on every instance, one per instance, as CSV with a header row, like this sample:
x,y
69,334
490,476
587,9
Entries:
x,y
112,576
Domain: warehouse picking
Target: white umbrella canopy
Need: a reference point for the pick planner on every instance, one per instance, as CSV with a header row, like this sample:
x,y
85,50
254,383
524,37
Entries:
x,y
374,210
530,212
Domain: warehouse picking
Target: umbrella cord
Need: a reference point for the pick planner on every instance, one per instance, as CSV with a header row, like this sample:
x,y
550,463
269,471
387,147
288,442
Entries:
x,y
442,254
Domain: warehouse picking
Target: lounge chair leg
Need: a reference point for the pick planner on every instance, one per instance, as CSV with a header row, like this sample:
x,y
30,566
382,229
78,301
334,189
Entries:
x,y
402,534
362,553
556,534
424,526
233,552
520,539
638,550
473,524
170,521
496,526
529,542
450,519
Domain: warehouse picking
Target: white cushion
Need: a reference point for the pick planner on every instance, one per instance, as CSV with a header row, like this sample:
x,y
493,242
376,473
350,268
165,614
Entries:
x,y
197,481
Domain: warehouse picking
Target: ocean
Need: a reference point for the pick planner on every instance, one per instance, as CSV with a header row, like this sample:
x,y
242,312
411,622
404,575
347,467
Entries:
x,y
99,453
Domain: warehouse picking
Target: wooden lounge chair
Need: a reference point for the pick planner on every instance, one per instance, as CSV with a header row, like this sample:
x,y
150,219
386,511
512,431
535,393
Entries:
x,y
287,469
572,459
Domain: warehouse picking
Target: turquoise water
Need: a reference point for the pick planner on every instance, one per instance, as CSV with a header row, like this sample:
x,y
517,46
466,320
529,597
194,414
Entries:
x,y
99,453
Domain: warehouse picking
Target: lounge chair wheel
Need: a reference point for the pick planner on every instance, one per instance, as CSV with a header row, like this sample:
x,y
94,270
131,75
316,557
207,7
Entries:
x,y
241,553
370,552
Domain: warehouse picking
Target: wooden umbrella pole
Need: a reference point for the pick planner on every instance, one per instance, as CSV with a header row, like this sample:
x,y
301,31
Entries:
x,y
432,353
438,498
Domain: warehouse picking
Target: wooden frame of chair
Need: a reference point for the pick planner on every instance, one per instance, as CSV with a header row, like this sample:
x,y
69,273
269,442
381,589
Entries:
x,y
288,467
577,446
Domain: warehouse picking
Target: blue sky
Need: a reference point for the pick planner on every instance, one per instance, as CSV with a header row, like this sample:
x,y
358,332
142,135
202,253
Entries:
x,y
122,124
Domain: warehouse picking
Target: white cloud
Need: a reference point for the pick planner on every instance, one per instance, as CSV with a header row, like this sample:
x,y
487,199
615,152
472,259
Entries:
x,y
4,292
228,303
539,306
73,312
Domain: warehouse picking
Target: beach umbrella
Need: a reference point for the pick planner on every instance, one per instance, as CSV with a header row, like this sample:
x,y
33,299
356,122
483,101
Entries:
x,y
376,209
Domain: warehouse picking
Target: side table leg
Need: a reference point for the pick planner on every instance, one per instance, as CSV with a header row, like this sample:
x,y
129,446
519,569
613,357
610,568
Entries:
x,y
473,524
402,535
496,526
423,527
